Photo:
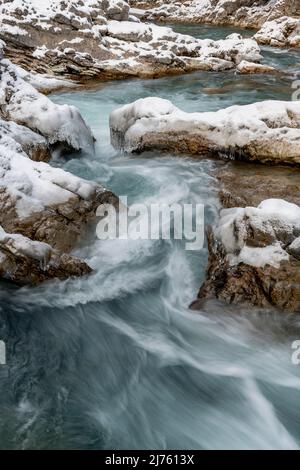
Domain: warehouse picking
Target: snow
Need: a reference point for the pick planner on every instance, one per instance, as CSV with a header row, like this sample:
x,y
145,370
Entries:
x,y
282,32
36,185
272,218
23,246
265,131
58,123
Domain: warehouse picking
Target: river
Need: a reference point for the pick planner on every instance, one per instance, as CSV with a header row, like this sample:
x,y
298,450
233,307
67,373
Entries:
x,y
117,360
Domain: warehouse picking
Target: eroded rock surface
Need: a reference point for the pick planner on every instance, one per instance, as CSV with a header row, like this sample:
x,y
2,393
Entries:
x,y
101,38
266,132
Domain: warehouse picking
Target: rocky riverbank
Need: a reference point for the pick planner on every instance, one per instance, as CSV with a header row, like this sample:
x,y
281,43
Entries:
x,y
278,21
103,39
265,132
44,211
254,249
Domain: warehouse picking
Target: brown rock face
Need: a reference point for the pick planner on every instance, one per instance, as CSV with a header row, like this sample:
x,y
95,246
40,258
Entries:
x,y
63,226
237,180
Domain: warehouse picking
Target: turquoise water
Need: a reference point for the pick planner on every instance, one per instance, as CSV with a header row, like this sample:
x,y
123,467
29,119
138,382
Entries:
x,y
117,360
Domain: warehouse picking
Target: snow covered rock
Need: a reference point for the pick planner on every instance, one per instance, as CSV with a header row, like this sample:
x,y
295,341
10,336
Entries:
x,y
27,262
254,256
100,38
42,202
267,132
282,32
246,67
34,145
39,203
244,13
44,211
22,103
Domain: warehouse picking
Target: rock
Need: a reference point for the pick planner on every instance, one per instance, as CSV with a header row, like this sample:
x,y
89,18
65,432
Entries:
x,y
282,32
251,257
45,203
267,132
100,39
237,180
60,125
294,248
242,13
27,262
246,67
44,211
34,145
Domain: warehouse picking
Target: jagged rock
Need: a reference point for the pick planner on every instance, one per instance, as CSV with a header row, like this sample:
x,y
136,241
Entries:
x,y
254,257
282,32
27,262
84,40
267,132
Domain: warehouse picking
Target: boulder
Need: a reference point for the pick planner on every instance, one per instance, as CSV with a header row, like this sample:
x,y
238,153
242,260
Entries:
x,y
266,132
254,257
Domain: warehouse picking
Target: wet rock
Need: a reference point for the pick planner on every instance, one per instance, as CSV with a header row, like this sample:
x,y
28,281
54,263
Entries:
x,y
27,262
246,67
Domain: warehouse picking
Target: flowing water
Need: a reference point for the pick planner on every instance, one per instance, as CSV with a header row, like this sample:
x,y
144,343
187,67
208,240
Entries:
x,y
117,360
